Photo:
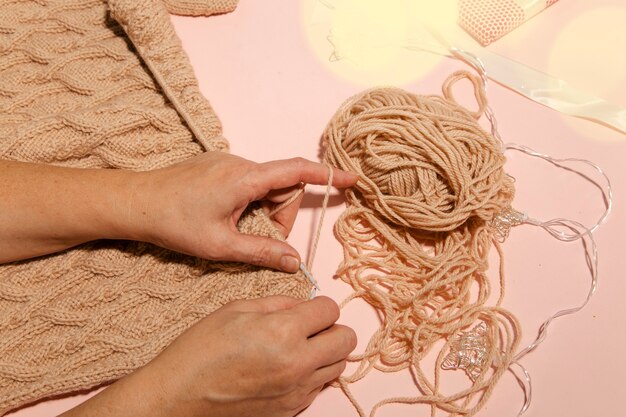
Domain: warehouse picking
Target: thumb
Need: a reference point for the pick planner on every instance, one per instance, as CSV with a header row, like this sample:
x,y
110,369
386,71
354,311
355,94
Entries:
x,y
263,251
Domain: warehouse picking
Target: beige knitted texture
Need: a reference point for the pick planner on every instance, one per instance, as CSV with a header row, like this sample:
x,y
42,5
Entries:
x,y
200,7
74,92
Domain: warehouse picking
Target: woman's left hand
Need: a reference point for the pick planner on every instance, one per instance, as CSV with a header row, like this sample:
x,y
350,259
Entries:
x,y
193,207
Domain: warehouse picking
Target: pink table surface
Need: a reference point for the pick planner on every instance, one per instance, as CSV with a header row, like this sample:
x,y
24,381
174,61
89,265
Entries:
x,y
274,97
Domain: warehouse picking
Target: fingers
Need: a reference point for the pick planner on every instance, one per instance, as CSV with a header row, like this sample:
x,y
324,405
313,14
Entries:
x,y
317,314
332,345
263,251
283,194
308,400
288,172
326,374
285,218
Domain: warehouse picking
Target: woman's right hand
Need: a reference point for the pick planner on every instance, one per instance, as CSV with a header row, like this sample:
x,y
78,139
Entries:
x,y
267,357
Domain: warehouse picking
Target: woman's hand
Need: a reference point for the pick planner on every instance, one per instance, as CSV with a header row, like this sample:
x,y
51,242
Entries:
x,y
193,207
268,357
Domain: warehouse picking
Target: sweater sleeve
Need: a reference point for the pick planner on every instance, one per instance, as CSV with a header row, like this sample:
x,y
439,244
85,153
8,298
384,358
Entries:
x,y
200,7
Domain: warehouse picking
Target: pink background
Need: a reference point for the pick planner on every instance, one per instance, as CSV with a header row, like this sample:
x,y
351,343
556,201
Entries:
x,y
274,98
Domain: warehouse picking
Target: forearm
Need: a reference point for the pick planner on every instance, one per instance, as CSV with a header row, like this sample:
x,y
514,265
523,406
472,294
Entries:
x,y
45,209
132,396
192,207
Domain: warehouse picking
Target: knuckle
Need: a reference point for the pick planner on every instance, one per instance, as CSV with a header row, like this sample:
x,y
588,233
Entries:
x,y
252,171
215,248
290,329
299,163
290,368
291,402
287,373
249,180
345,339
261,255
277,321
281,330
330,306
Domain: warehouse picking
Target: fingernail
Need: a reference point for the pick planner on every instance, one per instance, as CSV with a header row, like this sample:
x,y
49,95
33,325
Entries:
x,y
289,263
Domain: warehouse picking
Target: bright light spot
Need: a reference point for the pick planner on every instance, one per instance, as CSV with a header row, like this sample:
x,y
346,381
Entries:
x,y
589,54
364,40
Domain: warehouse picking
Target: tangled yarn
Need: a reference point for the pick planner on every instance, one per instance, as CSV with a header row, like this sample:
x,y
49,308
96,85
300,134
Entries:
x,y
416,235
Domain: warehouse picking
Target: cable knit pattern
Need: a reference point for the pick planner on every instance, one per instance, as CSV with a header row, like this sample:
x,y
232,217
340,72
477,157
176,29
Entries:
x,y
74,91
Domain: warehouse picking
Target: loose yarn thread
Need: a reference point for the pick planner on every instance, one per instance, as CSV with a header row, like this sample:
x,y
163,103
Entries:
x,y
562,229
416,235
308,267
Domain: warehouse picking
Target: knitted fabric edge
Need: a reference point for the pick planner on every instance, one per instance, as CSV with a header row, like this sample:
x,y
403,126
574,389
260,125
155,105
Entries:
x,y
147,24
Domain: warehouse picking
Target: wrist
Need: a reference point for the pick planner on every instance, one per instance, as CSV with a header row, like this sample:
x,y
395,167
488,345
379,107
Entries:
x,y
157,391
114,207
131,396
133,220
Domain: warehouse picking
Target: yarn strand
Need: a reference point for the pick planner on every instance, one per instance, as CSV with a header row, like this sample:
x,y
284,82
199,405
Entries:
x,y
416,235
308,267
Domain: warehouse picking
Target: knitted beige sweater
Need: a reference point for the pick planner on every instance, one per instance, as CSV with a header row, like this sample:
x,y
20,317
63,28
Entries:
x,y
106,84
